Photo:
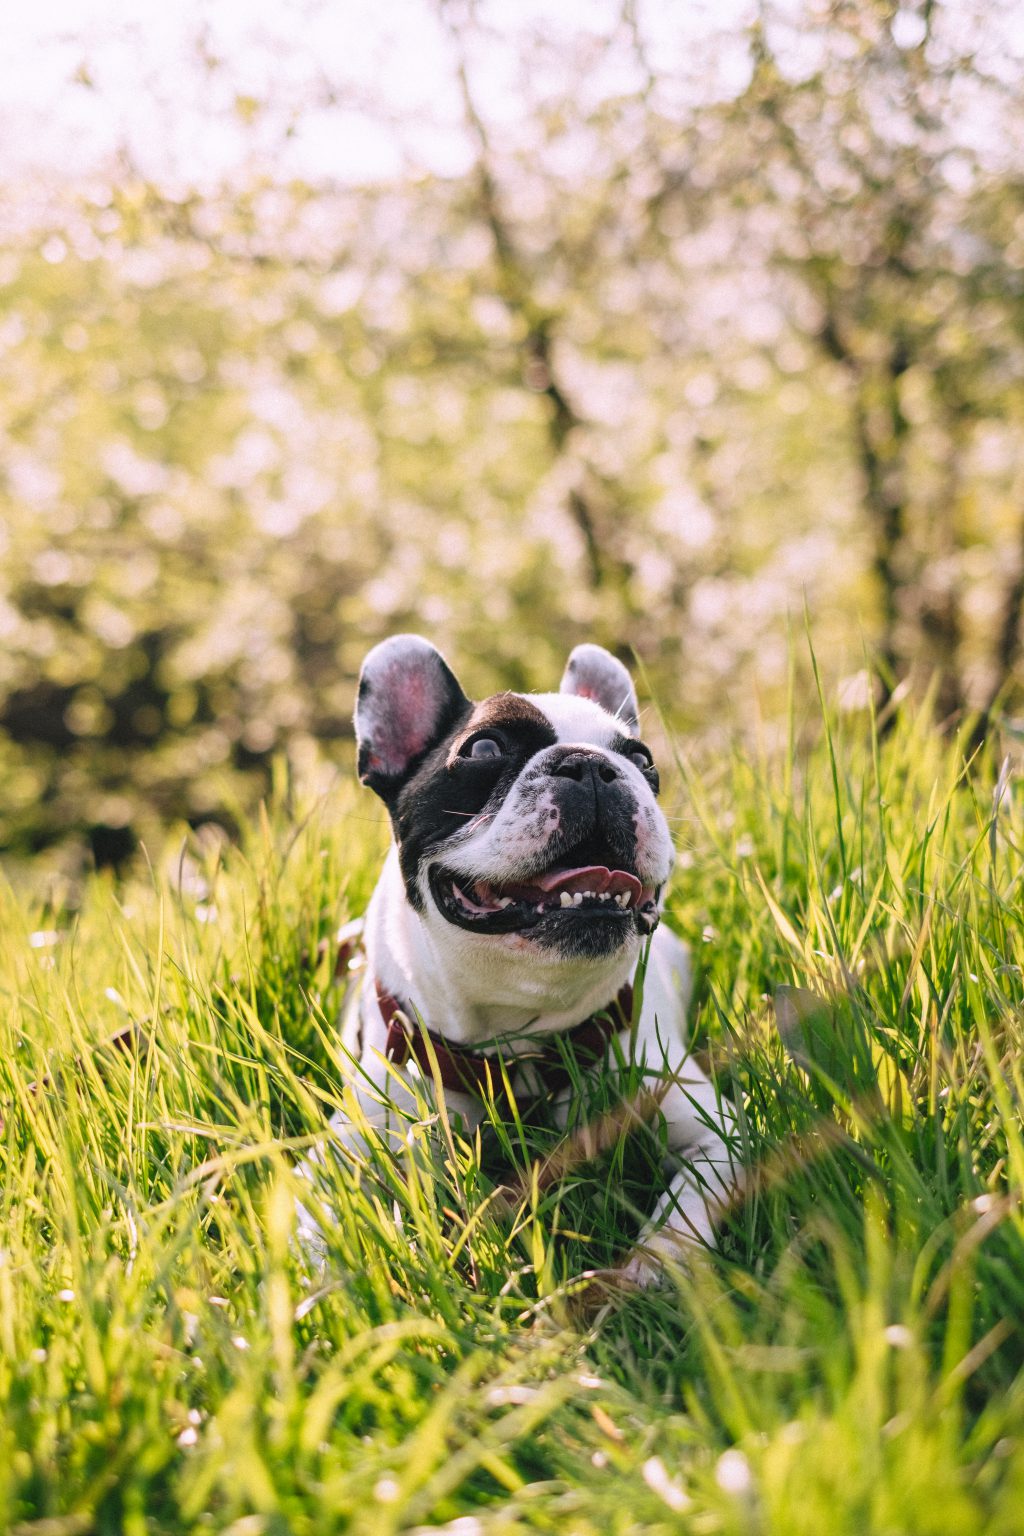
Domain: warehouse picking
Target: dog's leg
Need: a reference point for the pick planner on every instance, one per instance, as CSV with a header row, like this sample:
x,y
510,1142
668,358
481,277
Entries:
x,y
343,1140
376,1089
308,1231
385,1105
700,1127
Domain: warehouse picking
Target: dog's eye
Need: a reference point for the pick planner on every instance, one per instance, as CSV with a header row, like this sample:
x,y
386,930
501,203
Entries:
x,y
482,746
641,758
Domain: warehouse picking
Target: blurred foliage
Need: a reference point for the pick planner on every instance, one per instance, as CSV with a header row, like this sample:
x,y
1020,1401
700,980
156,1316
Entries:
x,y
679,355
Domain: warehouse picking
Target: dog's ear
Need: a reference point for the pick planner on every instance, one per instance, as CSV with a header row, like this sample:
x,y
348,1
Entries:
x,y
594,673
408,700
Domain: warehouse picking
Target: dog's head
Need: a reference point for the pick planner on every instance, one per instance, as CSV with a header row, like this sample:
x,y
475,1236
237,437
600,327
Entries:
x,y
524,820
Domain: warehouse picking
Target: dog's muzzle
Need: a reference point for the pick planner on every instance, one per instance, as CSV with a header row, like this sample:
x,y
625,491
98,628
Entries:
x,y
586,875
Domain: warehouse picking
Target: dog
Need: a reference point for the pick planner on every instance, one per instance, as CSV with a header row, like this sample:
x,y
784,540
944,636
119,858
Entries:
x,y
524,881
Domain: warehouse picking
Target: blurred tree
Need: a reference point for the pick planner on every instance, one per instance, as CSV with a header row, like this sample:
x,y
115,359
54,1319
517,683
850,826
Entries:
x,y
722,322
866,146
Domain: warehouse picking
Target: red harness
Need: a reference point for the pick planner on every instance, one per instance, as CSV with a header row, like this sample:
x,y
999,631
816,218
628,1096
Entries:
x,y
478,1073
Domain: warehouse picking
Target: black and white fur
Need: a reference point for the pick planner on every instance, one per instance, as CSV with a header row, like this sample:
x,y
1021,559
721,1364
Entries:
x,y
486,800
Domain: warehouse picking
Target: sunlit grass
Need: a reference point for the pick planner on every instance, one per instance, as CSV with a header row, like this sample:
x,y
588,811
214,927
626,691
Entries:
x,y
850,1362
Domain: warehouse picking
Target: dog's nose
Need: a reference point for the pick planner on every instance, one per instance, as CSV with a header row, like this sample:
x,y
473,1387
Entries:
x,y
578,764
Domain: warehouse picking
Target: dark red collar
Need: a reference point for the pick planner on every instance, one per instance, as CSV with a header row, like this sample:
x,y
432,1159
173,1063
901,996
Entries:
x,y
475,1072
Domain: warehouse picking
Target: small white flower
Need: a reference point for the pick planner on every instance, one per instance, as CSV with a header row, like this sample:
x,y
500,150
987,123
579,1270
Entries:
x,y
733,1474
66,1295
188,1436
658,1481
899,1336
239,1342
500,1397
856,691
386,1490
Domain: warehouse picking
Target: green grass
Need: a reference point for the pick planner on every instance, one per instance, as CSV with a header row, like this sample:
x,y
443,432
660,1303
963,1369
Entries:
x,y
851,1362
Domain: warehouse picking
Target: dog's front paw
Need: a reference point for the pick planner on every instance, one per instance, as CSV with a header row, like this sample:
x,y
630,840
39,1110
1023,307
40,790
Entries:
x,y
644,1268
660,1255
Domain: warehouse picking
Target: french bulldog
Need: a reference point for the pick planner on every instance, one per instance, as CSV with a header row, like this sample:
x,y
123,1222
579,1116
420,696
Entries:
x,y
525,878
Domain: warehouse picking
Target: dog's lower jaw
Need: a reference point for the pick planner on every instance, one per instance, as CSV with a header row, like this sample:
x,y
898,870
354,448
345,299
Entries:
x,y
581,925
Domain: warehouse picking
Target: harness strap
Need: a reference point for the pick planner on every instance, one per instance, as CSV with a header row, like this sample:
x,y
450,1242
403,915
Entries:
x,y
477,1073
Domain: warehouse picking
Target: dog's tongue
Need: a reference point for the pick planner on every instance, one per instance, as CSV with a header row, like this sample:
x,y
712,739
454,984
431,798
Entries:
x,y
588,877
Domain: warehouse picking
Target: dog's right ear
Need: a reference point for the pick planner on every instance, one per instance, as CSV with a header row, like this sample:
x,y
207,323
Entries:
x,y
408,701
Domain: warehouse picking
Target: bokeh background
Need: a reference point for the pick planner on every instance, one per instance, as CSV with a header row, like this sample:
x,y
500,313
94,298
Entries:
x,y
652,322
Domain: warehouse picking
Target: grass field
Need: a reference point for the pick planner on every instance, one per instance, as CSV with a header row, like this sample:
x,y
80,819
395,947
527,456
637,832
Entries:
x,y
850,1362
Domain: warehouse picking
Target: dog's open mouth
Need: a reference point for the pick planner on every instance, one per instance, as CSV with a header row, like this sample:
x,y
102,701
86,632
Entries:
x,y
591,892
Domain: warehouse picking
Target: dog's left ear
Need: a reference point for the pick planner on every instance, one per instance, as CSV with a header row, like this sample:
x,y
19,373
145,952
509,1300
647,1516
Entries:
x,y
408,701
594,673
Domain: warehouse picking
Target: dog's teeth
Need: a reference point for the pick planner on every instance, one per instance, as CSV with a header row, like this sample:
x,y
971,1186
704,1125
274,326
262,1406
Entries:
x,y
540,906
577,900
504,901
565,900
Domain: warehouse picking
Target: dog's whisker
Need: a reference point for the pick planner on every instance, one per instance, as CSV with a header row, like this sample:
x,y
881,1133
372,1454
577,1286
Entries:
x,y
480,821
